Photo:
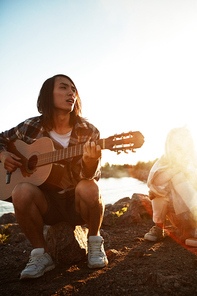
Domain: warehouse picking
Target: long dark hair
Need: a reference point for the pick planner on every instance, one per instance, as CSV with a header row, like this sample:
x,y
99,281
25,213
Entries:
x,y
45,103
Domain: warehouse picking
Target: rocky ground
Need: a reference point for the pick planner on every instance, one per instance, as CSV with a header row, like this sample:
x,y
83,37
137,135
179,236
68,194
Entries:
x,y
136,267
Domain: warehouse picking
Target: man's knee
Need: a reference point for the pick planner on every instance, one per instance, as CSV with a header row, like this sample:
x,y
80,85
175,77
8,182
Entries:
x,y
88,191
22,194
26,196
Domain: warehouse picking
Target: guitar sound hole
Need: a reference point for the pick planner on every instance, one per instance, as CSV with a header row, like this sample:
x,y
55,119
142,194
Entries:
x,y
32,162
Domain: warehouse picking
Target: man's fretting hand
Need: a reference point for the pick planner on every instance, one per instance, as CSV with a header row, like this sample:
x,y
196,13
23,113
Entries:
x,y
91,154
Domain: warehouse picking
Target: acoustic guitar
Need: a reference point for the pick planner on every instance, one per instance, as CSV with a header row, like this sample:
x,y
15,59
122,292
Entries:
x,y
42,164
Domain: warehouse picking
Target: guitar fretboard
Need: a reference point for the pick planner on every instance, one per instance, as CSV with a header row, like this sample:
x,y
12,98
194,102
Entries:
x,y
113,143
59,155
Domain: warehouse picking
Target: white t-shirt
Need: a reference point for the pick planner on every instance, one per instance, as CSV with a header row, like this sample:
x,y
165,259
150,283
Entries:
x,y
62,139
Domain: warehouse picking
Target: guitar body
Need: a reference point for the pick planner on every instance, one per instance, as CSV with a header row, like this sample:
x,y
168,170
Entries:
x,y
36,176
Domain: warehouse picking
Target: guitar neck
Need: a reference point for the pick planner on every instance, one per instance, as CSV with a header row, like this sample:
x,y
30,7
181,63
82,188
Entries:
x,y
64,153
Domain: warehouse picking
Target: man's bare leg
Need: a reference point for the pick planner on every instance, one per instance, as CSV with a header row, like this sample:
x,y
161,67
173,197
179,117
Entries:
x,y
29,204
90,205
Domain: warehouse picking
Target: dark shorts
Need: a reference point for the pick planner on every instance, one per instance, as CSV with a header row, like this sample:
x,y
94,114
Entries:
x,y
61,208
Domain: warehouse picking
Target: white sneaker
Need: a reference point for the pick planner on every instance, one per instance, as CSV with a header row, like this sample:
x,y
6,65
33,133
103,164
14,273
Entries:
x,y
154,234
39,263
96,253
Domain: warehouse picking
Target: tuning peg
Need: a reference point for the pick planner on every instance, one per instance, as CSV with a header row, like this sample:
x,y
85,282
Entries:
x,y
118,152
125,151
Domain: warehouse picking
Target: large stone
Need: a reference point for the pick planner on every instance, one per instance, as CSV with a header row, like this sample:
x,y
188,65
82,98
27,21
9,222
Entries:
x,y
66,244
7,218
139,209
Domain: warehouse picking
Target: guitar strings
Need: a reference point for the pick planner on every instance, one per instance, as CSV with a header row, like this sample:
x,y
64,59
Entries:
x,y
58,155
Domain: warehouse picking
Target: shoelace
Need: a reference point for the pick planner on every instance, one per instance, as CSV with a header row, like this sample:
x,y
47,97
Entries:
x,y
95,249
35,260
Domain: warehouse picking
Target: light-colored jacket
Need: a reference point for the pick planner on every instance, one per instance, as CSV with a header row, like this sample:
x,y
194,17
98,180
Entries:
x,y
178,183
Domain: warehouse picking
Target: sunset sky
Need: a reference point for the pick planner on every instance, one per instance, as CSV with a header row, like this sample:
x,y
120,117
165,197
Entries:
x,y
134,63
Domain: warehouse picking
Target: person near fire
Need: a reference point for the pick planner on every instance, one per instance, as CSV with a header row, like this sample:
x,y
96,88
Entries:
x,y
173,187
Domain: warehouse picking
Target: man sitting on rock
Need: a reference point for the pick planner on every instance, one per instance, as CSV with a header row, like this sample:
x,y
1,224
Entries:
x,y
79,200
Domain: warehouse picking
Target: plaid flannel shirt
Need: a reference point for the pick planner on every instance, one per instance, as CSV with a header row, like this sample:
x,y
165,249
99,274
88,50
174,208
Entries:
x,y
32,129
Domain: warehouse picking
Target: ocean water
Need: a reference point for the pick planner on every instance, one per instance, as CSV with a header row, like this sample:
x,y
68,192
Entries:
x,y
112,189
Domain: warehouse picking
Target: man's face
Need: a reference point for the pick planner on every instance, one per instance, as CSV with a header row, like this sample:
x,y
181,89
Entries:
x,y
64,94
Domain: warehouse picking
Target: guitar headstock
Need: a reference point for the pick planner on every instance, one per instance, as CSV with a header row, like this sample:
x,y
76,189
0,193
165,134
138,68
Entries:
x,y
123,142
